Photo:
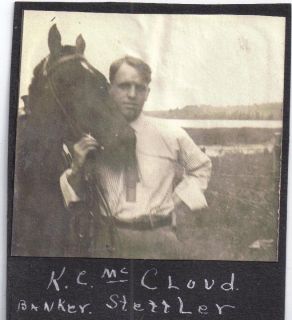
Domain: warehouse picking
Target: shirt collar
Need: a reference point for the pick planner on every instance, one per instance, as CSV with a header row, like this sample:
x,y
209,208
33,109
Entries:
x,y
138,124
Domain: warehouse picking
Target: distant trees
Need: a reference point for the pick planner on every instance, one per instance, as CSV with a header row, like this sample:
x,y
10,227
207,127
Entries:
x,y
267,111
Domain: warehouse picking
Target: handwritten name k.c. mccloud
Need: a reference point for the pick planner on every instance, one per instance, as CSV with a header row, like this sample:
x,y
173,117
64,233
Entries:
x,y
149,281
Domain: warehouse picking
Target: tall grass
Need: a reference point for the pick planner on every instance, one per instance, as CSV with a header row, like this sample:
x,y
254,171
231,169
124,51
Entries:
x,y
243,197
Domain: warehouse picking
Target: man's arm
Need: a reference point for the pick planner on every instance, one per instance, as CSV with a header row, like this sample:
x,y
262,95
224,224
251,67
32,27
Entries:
x,y
197,171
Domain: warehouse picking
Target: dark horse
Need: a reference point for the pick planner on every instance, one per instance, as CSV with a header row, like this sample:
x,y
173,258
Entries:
x,y
67,99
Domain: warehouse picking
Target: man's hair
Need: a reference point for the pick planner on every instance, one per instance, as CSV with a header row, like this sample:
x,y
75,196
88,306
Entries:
x,y
142,67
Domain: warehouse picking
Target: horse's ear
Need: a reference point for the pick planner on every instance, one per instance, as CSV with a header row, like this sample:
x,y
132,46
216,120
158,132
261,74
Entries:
x,y
80,45
54,40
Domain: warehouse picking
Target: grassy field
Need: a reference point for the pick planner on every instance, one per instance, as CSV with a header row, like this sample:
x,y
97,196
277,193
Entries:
x,y
241,222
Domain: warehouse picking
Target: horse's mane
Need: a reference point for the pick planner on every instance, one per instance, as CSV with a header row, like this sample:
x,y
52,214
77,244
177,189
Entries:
x,y
37,79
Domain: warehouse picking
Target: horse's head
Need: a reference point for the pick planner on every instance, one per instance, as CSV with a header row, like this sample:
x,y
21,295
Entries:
x,y
69,98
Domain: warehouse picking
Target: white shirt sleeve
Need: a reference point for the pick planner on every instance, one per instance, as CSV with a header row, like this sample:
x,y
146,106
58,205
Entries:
x,y
69,195
197,167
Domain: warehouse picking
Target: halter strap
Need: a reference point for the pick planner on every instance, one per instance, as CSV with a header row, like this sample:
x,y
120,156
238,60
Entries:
x,y
73,124
75,56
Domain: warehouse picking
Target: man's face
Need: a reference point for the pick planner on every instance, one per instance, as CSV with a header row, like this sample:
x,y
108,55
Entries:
x,y
129,91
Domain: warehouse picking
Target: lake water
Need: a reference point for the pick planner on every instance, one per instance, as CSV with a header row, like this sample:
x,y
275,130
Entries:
x,y
221,150
200,124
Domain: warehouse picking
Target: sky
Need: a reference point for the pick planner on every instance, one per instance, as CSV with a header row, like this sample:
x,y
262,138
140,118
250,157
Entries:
x,y
218,60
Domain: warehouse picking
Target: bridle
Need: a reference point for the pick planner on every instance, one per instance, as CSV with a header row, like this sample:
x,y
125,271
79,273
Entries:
x,y
95,187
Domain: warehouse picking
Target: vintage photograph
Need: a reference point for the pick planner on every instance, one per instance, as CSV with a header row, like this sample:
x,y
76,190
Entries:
x,y
149,136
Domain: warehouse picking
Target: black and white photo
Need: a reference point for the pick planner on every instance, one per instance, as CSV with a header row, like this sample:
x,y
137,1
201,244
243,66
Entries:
x,y
149,136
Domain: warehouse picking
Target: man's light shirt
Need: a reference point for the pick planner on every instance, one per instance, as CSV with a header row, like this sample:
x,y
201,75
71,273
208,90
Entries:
x,y
160,149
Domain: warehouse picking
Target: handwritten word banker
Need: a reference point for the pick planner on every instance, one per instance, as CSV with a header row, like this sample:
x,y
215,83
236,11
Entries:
x,y
146,227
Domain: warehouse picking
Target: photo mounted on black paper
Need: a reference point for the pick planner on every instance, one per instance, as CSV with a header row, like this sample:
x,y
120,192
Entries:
x,y
149,136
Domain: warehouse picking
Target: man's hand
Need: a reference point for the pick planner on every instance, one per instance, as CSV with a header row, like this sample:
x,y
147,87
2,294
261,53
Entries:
x,y
81,149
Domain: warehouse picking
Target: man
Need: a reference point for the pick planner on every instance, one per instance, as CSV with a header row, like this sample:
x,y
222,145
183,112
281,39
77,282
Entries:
x,y
146,227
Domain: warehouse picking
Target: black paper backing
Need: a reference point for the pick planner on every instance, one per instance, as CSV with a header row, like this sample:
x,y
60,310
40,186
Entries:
x,y
259,287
